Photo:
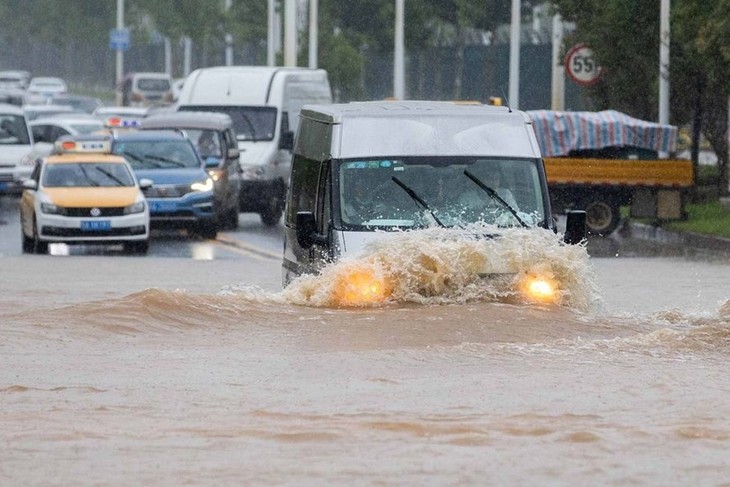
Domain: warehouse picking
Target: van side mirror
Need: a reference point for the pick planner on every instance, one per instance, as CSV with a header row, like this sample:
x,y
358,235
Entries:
x,y
30,184
233,153
145,183
286,141
575,227
307,230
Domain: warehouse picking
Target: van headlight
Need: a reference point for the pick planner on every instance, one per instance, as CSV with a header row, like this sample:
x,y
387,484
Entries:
x,y
51,209
540,289
138,207
206,185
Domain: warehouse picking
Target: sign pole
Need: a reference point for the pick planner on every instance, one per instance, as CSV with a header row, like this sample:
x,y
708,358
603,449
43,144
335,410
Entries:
x,y
664,62
514,56
399,52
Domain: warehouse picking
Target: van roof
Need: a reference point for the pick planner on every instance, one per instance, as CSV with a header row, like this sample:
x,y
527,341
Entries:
x,y
417,128
335,113
249,85
188,120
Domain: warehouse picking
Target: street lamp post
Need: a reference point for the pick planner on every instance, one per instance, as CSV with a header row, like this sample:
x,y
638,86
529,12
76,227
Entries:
x,y
514,56
120,54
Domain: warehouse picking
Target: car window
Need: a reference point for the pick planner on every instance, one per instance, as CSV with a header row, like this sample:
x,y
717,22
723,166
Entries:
x,y
86,174
13,130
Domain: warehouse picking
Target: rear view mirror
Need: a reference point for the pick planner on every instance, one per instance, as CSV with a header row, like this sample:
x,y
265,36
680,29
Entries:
x,y
286,141
30,184
307,230
145,183
233,153
575,227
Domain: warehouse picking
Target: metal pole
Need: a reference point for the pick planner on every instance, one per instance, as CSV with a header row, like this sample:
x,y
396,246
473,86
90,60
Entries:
x,y
664,63
313,32
514,56
270,48
120,54
558,84
187,55
229,37
399,52
290,33
168,56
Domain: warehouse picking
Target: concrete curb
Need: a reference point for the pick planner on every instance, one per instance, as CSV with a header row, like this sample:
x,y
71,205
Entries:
x,y
693,240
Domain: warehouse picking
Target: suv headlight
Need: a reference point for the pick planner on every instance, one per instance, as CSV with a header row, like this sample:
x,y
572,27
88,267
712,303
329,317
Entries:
x,y
52,209
206,185
138,207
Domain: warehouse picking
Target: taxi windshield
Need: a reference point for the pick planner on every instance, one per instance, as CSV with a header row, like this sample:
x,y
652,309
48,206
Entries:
x,y
446,191
86,174
158,154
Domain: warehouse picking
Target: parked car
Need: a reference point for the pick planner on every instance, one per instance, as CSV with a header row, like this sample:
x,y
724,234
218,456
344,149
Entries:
x,y
16,146
41,88
45,110
50,129
79,103
182,191
14,79
146,89
215,140
84,194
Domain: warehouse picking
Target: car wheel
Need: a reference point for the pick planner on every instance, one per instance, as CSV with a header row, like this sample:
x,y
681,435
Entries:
x,y
602,216
27,242
38,246
207,230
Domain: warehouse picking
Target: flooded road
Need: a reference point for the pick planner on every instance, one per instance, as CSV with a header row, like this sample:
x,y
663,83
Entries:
x,y
171,371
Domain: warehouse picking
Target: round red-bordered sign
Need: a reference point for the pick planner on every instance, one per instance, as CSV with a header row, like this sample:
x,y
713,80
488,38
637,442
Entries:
x,y
580,65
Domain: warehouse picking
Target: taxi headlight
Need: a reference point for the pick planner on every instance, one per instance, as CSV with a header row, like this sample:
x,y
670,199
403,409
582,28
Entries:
x,y
206,185
51,209
138,207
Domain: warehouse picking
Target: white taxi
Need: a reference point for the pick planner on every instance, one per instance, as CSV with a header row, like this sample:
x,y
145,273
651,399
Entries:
x,y
84,194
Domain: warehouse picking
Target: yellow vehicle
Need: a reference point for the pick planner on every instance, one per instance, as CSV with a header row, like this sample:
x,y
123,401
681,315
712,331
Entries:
x,y
84,194
600,161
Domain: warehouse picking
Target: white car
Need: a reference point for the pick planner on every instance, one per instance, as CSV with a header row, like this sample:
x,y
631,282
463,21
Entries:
x,y
16,146
50,129
42,88
84,194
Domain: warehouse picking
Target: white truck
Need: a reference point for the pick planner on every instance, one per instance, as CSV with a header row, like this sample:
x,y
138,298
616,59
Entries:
x,y
362,168
264,104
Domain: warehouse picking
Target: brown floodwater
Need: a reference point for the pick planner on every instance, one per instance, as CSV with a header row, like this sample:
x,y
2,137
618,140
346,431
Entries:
x,y
438,375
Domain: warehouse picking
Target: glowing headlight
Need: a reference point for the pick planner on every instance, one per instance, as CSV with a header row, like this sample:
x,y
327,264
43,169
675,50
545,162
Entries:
x,y
361,287
135,208
540,289
207,185
52,209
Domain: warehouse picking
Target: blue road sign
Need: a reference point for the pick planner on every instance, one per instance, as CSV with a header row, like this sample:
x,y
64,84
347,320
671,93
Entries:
x,y
119,39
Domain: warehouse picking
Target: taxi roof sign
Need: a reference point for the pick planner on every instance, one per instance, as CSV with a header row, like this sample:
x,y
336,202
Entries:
x,y
121,122
68,146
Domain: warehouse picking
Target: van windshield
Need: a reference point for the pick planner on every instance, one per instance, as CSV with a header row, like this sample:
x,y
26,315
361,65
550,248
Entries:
x,y
13,130
449,191
250,123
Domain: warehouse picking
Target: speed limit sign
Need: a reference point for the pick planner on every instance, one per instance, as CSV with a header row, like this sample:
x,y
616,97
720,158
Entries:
x,y
580,64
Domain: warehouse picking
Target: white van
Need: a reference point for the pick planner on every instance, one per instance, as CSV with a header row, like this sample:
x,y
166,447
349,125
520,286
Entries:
x,y
264,104
367,166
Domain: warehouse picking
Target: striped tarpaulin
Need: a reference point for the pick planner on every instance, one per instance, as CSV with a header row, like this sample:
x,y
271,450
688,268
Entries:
x,y
558,133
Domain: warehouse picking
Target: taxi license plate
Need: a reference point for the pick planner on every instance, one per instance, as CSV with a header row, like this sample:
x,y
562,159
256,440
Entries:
x,y
162,206
96,225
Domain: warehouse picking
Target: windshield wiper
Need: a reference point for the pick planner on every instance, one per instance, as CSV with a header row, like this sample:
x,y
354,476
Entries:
x,y
417,199
110,176
250,124
494,196
165,159
92,182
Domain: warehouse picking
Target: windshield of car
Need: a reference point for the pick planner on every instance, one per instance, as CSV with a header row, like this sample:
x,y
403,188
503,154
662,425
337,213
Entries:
x,y
13,130
86,174
250,123
158,154
448,191
87,127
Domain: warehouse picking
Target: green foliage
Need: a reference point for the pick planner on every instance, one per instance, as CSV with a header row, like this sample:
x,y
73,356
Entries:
x,y
707,219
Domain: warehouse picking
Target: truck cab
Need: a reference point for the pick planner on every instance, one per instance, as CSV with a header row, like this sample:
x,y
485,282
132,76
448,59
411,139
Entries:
x,y
365,167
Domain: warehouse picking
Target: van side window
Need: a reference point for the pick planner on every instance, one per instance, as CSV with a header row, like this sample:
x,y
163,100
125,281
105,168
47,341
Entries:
x,y
324,205
304,184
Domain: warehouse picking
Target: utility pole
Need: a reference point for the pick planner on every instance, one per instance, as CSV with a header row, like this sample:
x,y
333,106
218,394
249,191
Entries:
x,y
229,37
558,84
313,32
290,33
399,52
664,62
120,53
514,56
270,44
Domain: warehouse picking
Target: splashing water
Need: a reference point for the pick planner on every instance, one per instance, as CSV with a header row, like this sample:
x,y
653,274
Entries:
x,y
451,265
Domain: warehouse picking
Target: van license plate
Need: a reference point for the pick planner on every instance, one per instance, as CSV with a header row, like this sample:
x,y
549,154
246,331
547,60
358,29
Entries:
x,y
96,225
